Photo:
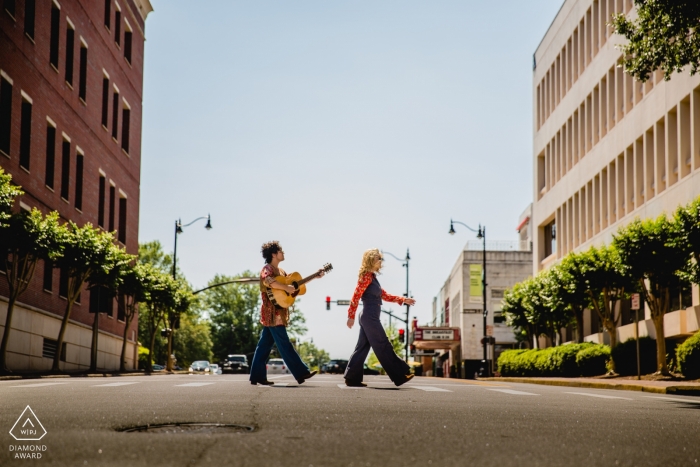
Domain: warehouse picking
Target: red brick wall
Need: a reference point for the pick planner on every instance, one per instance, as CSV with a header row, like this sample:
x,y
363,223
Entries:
x,y
26,62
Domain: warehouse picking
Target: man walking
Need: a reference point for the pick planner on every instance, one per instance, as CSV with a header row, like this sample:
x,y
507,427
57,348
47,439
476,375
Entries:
x,y
275,320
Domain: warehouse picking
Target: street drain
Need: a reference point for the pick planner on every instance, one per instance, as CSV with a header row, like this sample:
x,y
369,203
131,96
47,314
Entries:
x,y
190,428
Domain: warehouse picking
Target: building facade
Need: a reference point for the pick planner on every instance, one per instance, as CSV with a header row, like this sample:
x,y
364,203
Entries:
x,y
71,85
607,148
460,300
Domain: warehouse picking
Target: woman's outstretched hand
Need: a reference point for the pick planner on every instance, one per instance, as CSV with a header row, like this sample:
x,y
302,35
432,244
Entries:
x,y
351,323
409,301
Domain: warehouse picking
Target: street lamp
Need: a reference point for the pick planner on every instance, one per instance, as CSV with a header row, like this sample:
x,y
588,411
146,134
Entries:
x,y
481,235
405,265
178,230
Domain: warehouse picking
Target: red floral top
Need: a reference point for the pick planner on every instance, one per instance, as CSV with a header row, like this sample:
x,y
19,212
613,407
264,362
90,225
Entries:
x,y
269,314
362,285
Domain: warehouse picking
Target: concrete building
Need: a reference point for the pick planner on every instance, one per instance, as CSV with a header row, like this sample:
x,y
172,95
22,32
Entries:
x,y
607,148
460,300
71,83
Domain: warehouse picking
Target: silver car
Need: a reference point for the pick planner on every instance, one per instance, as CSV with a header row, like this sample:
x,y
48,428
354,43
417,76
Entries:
x,y
214,369
276,366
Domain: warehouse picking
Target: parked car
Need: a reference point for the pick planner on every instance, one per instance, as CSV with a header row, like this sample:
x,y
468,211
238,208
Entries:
x,y
369,371
214,369
276,366
200,366
157,367
336,366
235,364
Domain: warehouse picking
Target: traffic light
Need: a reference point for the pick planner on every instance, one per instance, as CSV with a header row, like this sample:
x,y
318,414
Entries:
x,y
402,335
328,303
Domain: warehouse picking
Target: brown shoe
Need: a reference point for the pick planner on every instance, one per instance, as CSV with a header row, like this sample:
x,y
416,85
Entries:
x,y
355,384
408,378
264,383
313,373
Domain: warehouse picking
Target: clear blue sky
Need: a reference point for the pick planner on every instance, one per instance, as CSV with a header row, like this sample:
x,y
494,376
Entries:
x,y
335,127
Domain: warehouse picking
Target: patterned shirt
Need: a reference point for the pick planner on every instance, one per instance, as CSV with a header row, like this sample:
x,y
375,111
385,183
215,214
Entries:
x,y
269,314
362,285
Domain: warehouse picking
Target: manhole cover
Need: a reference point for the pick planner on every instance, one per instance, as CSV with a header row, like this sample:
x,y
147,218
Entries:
x,y
195,428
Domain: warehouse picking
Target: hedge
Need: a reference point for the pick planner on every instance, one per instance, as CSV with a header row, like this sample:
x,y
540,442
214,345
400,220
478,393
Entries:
x,y
565,360
625,356
688,357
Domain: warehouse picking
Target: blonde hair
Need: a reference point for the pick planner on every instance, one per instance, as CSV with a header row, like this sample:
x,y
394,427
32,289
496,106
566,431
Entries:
x,y
368,259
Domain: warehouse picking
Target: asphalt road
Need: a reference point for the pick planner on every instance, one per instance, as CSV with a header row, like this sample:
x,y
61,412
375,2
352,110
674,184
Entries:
x,y
427,422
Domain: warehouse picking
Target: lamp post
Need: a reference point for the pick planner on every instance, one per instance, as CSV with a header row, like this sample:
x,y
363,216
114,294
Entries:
x,y
171,320
481,235
405,265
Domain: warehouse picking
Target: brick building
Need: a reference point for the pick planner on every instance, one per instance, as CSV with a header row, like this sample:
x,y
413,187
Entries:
x,y
71,85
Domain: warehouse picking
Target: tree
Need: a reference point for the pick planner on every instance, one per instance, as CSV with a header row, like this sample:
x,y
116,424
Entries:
x,y
393,335
87,252
515,312
8,194
572,289
654,255
232,311
606,282
297,322
687,223
664,36
193,340
136,285
26,237
558,314
312,355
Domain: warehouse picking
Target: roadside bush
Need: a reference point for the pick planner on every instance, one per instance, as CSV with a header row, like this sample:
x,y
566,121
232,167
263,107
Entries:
x,y
688,357
563,360
592,360
625,356
143,357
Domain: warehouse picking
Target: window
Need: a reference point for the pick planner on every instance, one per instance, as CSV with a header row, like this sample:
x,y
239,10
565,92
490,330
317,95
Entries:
x,y
550,239
112,196
5,115
70,54
121,308
117,27
55,24
82,90
25,133
48,276
63,283
115,114
101,206
50,155
105,102
101,300
49,349
108,12
29,17
121,234
65,169
10,7
127,43
79,182
126,113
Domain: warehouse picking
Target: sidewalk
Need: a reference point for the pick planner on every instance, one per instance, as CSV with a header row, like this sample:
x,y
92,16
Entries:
x,y
681,388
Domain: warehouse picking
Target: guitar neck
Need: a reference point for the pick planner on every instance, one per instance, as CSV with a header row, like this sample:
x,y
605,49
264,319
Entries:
x,y
307,279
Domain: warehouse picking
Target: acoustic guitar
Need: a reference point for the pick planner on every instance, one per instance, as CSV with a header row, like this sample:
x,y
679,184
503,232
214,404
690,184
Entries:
x,y
284,299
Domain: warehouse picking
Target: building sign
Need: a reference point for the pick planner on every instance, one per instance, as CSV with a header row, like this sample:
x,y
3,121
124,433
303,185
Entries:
x,y
436,334
489,330
475,290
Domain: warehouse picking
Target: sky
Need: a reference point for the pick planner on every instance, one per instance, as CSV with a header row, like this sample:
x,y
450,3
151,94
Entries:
x,y
335,127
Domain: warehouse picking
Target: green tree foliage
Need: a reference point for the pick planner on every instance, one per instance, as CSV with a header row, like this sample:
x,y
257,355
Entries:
x,y
26,238
87,253
392,333
663,36
193,340
688,356
312,355
8,194
297,322
515,312
653,254
572,289
152,253
232,310
687,224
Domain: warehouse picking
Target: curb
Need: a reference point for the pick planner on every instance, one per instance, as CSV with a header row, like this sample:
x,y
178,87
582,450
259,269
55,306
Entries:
x,y
677,390
84,375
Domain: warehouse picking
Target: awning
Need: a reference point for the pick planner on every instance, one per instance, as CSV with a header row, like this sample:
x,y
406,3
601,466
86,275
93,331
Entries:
x,y
524,221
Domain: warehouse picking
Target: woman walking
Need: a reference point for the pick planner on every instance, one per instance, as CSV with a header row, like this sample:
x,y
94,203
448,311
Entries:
x,y
371,330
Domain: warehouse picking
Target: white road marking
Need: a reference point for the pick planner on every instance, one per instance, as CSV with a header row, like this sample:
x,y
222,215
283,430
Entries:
x,y
277,377
115,384
36,385
674,399
343,386
599,395
514,392
429,388
192,385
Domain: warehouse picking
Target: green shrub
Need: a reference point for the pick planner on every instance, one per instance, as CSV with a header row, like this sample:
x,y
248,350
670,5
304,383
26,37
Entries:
x,y
592,360
555,361
143,357
688,357
625,356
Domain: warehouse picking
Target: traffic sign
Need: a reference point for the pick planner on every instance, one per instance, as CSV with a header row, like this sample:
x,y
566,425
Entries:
x,y
635,301
342,302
